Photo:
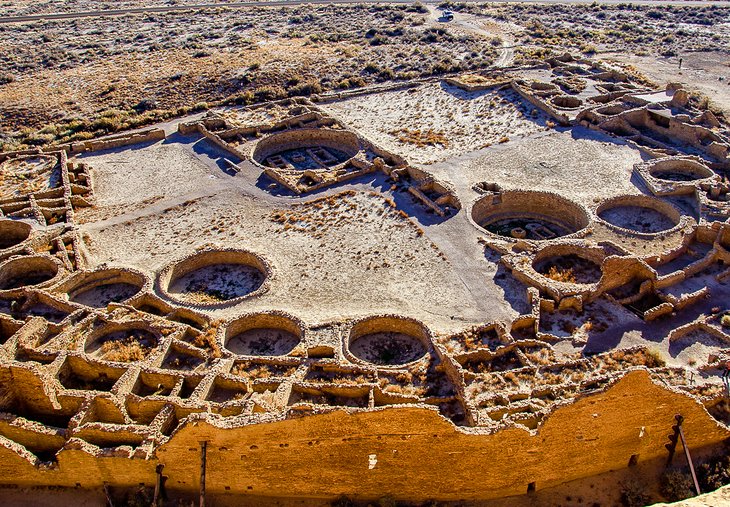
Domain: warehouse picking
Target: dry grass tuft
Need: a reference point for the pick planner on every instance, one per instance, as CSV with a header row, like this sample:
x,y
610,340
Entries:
x,y
561,275
421,138
207,341
126,350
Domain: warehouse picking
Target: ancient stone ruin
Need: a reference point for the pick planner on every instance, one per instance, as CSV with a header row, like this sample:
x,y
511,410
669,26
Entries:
x,y
114,375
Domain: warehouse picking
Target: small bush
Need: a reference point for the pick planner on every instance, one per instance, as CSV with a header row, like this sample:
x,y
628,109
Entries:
x,y
265,93
714,472
305,89
633,494
676,484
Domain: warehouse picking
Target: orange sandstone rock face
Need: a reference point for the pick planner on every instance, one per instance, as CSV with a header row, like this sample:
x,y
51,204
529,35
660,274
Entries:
x,y
596,433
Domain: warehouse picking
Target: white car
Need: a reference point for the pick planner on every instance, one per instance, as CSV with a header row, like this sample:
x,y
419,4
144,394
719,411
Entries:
x,y
447,15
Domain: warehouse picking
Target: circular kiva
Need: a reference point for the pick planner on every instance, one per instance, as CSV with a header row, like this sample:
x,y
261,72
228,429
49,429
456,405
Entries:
x,y
99,288
639,214
262,334
13,233
123,343
524,214
388,341
29,271
569,264
612,110
674,169
215,278
306,149
566,102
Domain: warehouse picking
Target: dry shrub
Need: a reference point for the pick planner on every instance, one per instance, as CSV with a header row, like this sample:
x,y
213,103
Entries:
x,y
725,321
621,359
207,341
126,350
247,370
421,138
561,275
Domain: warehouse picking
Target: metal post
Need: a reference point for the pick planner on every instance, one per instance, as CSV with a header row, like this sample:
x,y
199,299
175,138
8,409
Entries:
x,y
203,450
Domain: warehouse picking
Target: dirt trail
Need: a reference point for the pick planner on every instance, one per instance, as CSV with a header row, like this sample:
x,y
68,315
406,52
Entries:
x,y
469,24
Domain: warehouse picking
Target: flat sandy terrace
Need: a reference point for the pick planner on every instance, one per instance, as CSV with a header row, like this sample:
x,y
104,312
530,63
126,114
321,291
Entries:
x,y
353,254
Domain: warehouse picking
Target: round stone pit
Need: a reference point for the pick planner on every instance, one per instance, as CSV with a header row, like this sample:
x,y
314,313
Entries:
x,y
262,334
215,278
99,288
32,271
532,215
306,149
639,214
13,233
388,341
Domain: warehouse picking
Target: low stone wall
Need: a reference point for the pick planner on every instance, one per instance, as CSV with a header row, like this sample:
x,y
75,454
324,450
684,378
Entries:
x,y
116,141
540,104
341,140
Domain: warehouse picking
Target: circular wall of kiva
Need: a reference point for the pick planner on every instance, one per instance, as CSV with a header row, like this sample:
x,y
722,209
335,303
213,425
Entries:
x,y
306,149
99,288
639,214
569,264
388,341
566,102
13,233
28,272
123,343
525,214
214,278
262,334
673,169
612,110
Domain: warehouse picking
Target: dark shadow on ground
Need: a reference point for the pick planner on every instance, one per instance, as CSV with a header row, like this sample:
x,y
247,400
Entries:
x,y
515,292
205,149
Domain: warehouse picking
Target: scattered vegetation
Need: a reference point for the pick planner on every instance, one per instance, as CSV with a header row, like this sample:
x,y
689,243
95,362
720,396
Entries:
x,y
634,493
207,340
675,484
195,58
126,350
421,138
561,275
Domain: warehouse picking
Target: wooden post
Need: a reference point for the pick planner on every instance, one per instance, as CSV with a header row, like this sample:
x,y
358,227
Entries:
x,y
203,451
158,486
108,495
686,453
